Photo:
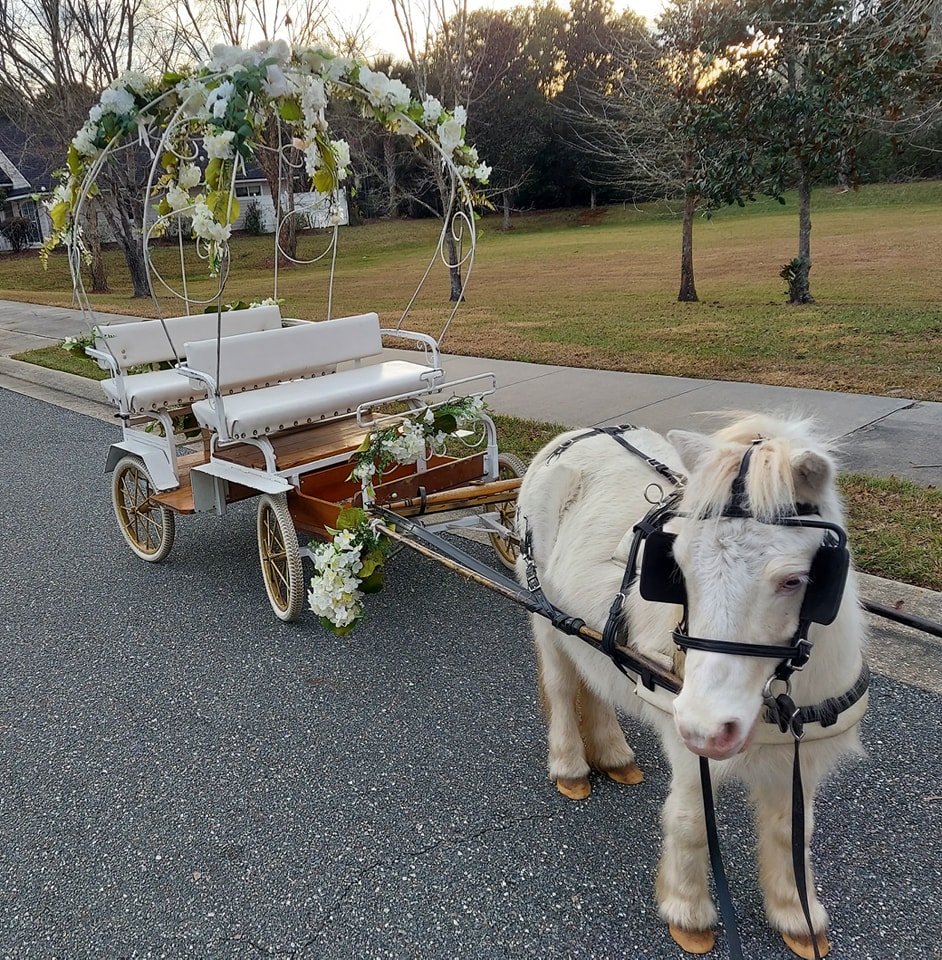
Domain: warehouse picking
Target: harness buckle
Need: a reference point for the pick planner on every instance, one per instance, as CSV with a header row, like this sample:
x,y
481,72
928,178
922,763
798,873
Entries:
x,y
799,660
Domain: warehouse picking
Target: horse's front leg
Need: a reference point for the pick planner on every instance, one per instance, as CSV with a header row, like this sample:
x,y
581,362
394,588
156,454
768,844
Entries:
x,y
772,798
559,686
683,893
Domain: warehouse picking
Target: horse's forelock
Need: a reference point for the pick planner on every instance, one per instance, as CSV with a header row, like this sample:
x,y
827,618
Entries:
x,y
770,481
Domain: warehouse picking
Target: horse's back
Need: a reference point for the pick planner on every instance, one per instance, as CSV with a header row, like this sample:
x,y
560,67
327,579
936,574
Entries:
x,y
580,495
592,474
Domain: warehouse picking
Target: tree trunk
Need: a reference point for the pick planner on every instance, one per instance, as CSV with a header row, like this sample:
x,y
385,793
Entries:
x,y
800,289
454,267
688,290
505,226
96,268
127,233
389,163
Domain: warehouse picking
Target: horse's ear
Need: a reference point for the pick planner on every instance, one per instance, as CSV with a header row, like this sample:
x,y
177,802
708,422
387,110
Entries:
x,y
692,447
813,474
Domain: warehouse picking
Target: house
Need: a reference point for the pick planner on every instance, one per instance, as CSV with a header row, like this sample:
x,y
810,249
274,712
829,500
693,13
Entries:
x,y
26,169
28,162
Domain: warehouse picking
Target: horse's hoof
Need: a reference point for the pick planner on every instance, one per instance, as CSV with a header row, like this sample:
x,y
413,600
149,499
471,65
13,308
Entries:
x,y
800,945
630,773
693,941
577,788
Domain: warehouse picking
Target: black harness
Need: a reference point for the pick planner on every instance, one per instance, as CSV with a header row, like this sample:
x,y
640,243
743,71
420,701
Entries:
x,y
661,580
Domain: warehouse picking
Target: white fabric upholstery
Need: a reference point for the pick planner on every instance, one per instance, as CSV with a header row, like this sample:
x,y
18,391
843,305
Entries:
x,y
253,360
271,409
146,341
153,391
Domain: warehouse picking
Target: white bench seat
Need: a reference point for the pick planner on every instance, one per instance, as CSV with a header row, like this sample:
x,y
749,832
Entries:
x,y
152,391
263,383
268,410
121,347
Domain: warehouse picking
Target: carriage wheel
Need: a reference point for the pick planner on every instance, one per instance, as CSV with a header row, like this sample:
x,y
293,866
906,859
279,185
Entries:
x,y
147,527
280,557
509,467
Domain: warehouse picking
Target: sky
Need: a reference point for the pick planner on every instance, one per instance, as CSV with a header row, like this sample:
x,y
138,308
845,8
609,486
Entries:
x,y
383,33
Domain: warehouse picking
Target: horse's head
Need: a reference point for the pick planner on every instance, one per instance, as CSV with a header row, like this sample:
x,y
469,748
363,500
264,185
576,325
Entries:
x,y
745,572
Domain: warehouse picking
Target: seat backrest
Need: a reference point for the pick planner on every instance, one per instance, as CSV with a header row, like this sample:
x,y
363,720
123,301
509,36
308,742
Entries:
x,y
155,341
252,360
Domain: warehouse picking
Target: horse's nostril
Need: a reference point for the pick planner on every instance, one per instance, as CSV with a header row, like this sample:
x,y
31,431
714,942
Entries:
x,y
729,734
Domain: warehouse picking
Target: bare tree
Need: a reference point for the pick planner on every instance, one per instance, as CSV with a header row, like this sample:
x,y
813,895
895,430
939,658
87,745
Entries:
x,y
55,57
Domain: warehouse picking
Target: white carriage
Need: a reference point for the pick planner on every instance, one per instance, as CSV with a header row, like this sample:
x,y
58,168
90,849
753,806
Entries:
x,y
281,406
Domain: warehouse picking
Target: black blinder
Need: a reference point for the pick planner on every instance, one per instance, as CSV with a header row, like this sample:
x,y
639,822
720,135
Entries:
x,y
827,577
660,579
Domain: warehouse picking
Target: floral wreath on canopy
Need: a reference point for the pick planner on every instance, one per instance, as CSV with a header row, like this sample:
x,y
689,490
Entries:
x,y
225,102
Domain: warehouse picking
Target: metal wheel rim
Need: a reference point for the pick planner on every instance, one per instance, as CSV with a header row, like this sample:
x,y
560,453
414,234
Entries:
x,y
145,525
280,558
510,466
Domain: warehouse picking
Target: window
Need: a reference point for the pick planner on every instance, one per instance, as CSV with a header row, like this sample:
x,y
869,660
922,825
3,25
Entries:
x,y
248,189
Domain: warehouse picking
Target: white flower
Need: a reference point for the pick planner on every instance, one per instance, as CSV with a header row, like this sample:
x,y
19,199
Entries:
x,y
132,80
461,115
84,140
337,68
273,50
375,83
341,151
398,95
189,175
431,111
219,146
450,135
229,59
312,158
119,102
218,99
315,58
177,197
313,100
276,83
192,96
206,226
95,113
482,173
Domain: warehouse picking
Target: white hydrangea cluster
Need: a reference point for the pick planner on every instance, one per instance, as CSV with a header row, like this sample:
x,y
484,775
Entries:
x,y
219,145
335,593
206,226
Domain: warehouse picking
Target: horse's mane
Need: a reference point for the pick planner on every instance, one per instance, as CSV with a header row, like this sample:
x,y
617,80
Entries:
x,y
771,478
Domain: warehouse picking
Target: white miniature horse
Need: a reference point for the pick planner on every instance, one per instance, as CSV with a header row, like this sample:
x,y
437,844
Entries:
x,y
745,581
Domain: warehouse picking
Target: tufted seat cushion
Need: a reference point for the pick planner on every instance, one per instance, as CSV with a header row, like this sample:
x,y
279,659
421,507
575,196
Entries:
x,y
271,409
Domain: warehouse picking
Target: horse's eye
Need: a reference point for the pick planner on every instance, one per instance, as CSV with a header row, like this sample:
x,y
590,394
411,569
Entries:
x,y
792,584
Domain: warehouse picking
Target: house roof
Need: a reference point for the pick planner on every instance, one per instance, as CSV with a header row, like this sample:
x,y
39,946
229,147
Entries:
x,y
27,159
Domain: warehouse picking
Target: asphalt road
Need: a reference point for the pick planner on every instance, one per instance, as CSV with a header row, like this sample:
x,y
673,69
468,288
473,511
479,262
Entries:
x,y
181,775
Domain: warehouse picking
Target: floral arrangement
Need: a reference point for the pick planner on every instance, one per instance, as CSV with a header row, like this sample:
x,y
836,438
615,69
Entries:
x,y
224,104
350,565
410,438
345,568
78,344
